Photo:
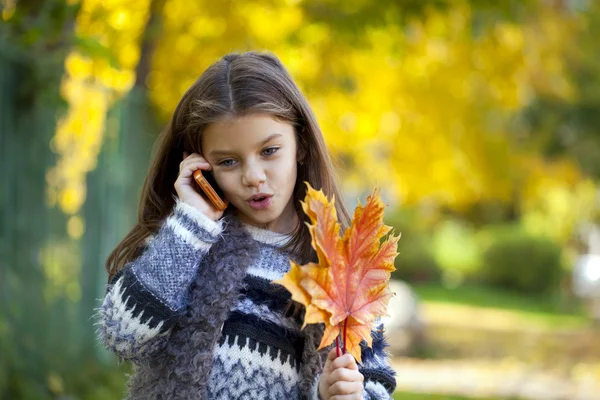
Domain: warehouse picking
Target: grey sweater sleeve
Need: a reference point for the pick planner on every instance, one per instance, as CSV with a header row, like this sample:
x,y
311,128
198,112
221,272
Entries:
x,y
148,296
380,378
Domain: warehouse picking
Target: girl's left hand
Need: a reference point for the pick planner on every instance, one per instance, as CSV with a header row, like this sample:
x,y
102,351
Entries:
x,y
340,378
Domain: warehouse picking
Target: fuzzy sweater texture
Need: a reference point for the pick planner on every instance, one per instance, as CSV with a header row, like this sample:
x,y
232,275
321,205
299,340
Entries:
x,y
198,316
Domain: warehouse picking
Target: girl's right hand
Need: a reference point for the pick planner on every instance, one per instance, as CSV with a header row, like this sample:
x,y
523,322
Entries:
x,y
186,186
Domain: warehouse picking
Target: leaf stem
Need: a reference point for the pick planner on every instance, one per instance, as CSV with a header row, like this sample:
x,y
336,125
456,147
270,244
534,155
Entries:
x,y
345,326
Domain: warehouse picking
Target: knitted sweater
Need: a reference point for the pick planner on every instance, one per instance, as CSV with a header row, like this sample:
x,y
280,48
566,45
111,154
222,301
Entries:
x,y
257,352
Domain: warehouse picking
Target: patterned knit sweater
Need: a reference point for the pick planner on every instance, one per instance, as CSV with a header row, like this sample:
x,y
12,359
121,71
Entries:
x,y
258,353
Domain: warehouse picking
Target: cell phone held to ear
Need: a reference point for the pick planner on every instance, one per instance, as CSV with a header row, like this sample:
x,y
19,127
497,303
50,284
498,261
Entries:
x,y
209,190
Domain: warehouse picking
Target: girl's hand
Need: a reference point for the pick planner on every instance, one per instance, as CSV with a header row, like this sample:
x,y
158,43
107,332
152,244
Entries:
x,y
340,378
187,188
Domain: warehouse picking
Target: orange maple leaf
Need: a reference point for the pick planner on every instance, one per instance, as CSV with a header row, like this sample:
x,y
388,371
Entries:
x,y
349,287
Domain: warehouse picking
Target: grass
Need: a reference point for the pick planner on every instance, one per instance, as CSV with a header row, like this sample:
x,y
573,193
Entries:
x,y
505,307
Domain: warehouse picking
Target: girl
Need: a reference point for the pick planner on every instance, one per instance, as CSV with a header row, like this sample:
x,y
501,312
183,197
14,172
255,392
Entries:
x,y
190,299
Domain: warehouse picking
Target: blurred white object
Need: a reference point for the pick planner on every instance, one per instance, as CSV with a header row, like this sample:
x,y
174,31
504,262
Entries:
x,y
586,276
586,282
404,324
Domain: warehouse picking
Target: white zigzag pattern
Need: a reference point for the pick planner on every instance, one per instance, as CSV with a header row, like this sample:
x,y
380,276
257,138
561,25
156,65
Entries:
x,y
246,373
127,323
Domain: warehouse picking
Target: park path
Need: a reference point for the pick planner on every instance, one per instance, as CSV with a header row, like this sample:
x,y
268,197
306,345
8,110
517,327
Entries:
x,y
504,379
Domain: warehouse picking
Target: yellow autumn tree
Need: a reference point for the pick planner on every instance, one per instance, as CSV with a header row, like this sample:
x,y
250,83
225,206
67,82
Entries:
x,y
423,108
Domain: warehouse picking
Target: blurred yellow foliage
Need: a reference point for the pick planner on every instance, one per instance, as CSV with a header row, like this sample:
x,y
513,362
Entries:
x,y
75,227
61,262
91,84
423,109
556,200
8,9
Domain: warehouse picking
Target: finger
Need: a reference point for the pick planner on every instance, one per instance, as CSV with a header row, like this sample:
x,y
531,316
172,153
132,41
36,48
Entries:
x,y
345,361
345,388
188,164
330,357
342,387
345,375
193,165
346,397
193,157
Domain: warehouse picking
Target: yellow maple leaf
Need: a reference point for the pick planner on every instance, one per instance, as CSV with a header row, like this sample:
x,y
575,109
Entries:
x,y
349,287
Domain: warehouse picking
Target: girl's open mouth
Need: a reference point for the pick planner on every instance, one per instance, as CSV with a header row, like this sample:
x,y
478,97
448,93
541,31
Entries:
x,y
260,203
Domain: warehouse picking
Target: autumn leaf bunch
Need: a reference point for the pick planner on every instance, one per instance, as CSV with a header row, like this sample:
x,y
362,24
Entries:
x,y
349,286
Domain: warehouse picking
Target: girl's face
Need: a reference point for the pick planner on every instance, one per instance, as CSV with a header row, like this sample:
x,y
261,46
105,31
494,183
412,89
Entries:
x,y
255,155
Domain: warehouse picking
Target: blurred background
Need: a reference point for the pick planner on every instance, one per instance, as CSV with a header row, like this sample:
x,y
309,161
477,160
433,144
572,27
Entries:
x,y
478,119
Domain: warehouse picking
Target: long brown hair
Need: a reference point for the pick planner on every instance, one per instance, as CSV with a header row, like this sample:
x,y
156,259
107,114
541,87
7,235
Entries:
x,y
234,86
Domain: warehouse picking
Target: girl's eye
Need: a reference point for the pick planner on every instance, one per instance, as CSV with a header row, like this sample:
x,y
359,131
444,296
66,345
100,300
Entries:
x,y
226,163
270,151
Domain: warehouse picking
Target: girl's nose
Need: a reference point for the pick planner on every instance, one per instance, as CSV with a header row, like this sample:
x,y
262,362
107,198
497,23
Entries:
x,y
253,176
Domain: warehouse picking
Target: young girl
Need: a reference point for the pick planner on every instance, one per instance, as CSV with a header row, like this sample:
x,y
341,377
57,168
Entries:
x,y
190,300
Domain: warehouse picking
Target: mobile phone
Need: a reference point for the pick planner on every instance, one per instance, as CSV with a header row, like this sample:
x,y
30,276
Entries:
x,y
208,185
